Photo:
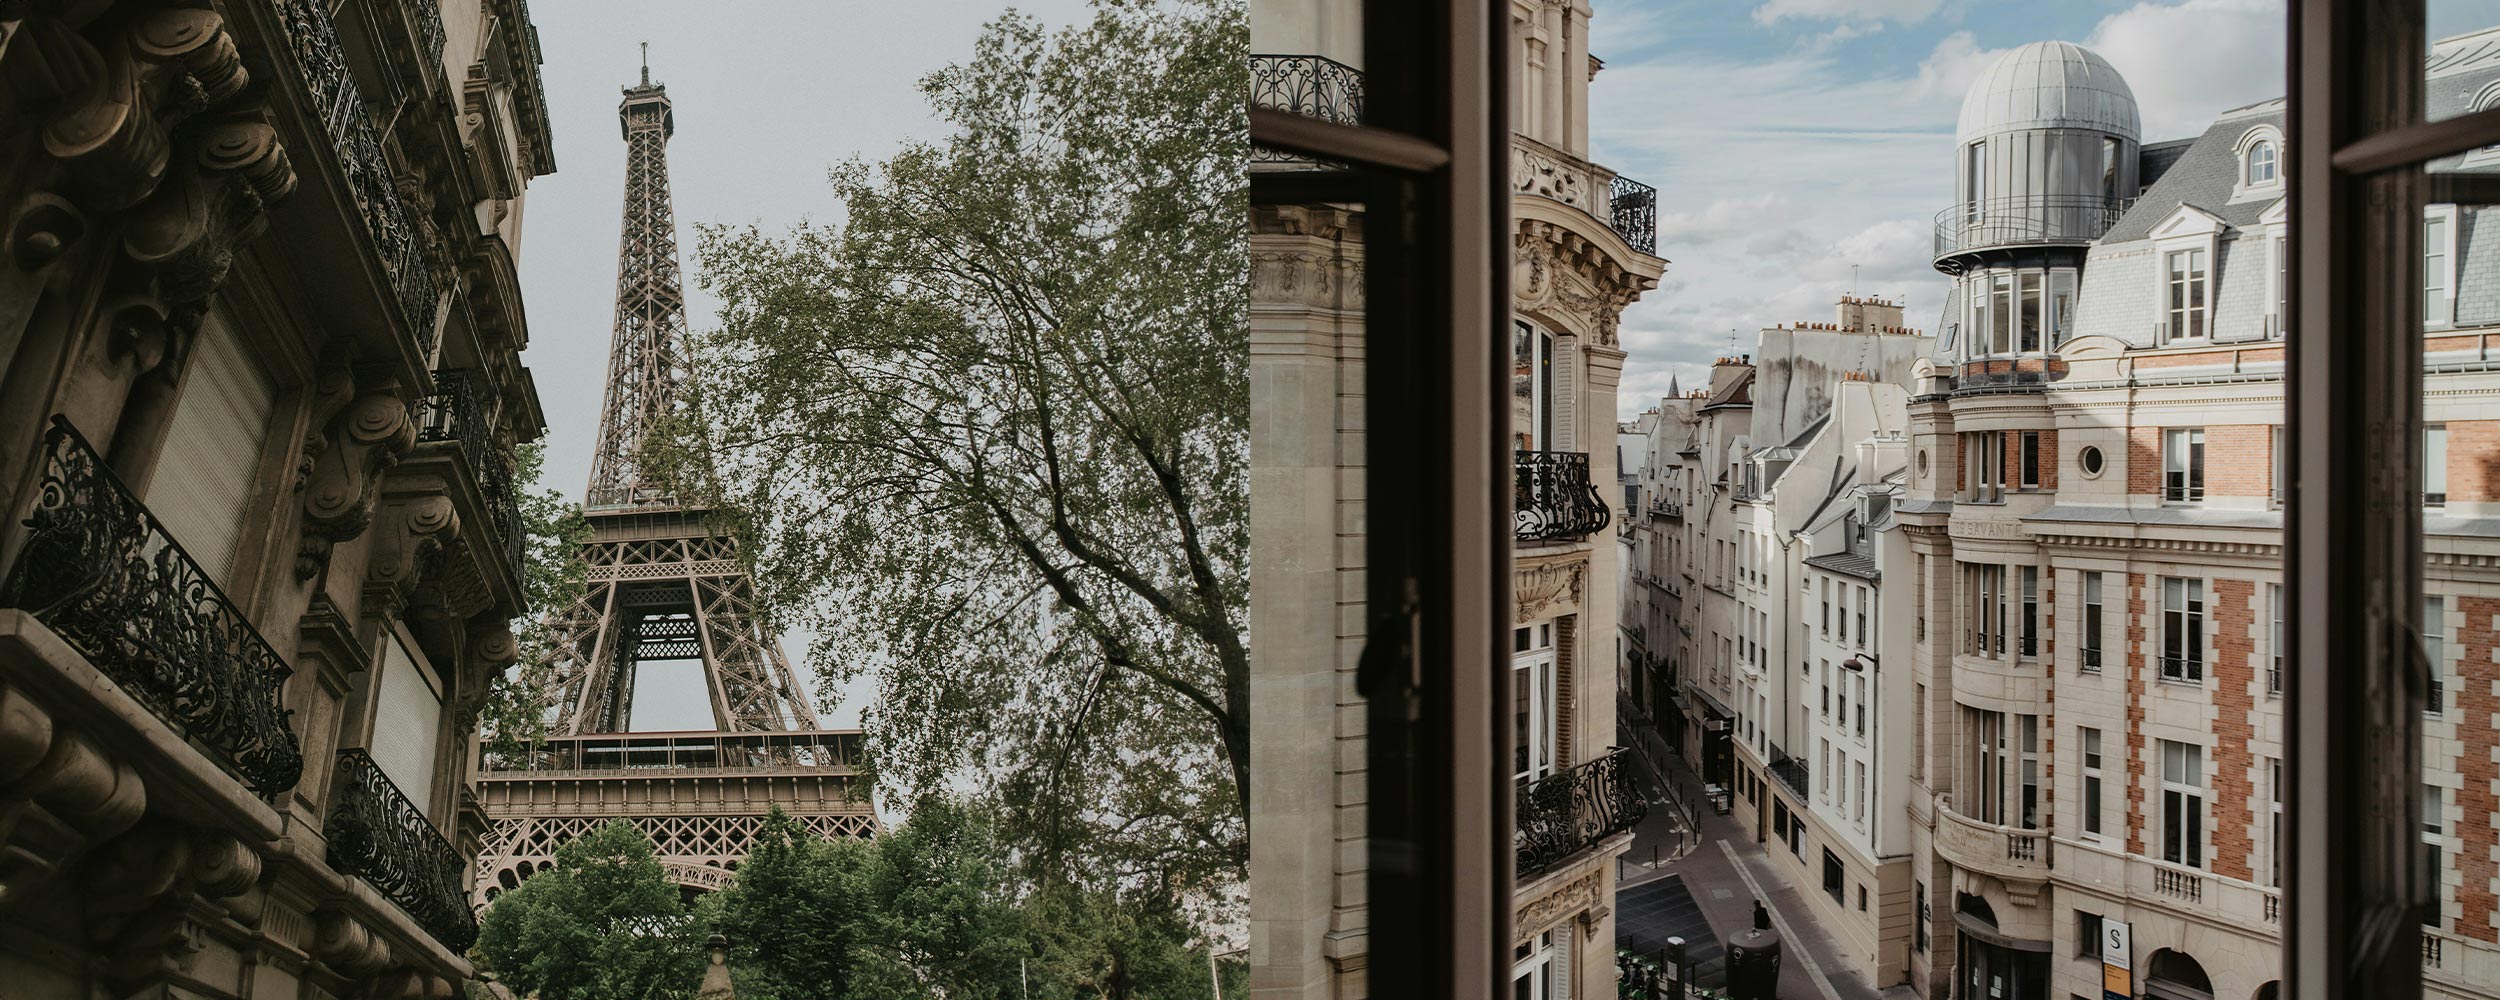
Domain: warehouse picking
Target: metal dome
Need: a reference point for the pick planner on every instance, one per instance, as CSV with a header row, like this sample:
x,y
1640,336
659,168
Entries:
x,y
2048,85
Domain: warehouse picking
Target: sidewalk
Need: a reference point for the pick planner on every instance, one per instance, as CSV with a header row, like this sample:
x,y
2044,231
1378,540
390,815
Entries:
x,y
1724,871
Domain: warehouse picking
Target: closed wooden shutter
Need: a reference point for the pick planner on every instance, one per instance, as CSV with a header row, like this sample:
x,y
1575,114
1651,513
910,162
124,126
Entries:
x,y
212,453
407,724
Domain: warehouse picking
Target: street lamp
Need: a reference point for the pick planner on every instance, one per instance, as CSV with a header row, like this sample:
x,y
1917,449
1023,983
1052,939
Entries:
x,y
1856,664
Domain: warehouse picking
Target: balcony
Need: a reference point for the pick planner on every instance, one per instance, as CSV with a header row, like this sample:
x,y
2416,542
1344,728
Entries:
x,y
1662,508
101,572
1793,773
2192,891
376,834
1628,207
413,274
1552,498
2002,851
2026,220
1316,86
1567,813
453,413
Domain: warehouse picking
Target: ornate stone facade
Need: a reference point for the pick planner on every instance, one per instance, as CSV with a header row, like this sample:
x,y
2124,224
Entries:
x,y
252,591
1581,253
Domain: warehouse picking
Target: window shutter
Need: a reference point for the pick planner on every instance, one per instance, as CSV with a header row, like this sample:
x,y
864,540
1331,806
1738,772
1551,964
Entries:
x,y
212,453
407,725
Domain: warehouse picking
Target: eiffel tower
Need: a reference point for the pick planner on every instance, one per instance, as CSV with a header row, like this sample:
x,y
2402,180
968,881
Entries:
x,y
663,586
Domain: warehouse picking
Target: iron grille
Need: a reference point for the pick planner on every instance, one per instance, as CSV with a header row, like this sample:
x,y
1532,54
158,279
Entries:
x,y
1552,497
1316,86
453,412
103,573
1634,206
414,275
1567,813
376,834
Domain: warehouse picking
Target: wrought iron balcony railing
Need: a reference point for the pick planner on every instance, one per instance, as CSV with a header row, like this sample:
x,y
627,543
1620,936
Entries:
x,y
1791,772
1567,813
2025,220
101,572
376,834
1317,86
313,36
452,412
1634,207
1552,497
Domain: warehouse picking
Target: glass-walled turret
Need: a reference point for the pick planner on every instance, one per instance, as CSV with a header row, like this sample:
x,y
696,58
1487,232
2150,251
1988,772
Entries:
x,y
2046,161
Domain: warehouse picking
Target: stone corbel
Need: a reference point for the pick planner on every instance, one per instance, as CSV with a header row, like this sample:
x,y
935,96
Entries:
x,y
415,532
348,947
1593,919
492,650
152,140
139,894
59,794
344,467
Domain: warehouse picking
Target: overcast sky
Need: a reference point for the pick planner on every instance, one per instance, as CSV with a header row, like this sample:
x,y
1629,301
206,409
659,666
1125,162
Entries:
x,y
767,96
1791,139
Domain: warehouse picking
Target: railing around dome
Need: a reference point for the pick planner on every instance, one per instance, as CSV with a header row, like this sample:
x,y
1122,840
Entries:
x,y
2026,219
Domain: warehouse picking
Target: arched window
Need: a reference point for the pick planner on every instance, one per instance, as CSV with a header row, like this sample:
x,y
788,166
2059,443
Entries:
x,y
2260,164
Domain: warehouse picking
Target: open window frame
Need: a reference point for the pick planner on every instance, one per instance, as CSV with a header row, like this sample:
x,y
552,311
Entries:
x,y
2359,142
1430,166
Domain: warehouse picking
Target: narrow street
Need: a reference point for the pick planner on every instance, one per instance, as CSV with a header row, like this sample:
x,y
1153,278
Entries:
x,y
1703,884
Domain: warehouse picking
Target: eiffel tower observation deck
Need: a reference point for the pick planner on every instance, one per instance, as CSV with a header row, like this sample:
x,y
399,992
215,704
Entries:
x,y
664,587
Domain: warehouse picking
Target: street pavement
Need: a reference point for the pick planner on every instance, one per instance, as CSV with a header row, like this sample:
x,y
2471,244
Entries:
x,y
1704,884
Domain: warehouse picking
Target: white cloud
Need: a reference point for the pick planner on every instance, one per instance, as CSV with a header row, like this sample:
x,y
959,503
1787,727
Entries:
x,y
2189,61
1898,11
1950,67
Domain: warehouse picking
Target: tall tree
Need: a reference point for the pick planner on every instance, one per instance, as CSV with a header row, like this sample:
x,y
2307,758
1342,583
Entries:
x,y
552,575
989,435
604,924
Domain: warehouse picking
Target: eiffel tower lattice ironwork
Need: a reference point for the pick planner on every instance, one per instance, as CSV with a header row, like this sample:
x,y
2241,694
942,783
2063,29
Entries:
x,y
663,586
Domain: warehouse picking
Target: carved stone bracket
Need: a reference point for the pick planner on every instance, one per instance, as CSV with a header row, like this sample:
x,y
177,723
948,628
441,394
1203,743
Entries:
x,y
1540,589
141,896
1564,274
344,464
1545,911
149,136
62,794
415,532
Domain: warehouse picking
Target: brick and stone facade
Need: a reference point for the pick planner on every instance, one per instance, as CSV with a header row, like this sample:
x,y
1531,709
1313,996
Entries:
x,y
2159,538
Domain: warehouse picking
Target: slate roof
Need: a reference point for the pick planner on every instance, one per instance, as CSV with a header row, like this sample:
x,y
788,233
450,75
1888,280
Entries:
x,y
1851,563
2204,176
1737,393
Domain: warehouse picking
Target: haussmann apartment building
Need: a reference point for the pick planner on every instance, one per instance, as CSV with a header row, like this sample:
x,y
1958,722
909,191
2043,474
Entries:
x,y
259,548
1584,244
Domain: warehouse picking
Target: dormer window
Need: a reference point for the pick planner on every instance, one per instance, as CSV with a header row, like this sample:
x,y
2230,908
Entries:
x,y
2260,164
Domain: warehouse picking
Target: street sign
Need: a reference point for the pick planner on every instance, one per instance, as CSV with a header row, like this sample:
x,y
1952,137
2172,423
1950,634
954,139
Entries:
x,y
2117,961
2114,944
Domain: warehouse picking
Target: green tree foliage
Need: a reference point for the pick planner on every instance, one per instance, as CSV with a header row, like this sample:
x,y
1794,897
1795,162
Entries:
x,y
602,925
989,435
552,576
936,910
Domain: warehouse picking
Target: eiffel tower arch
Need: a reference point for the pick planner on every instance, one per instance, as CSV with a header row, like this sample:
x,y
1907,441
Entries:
x,y
663,586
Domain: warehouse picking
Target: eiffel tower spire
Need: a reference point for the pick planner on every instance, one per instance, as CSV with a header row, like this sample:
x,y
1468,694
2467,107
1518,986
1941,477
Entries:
x,y
664,589
646,360
663,585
